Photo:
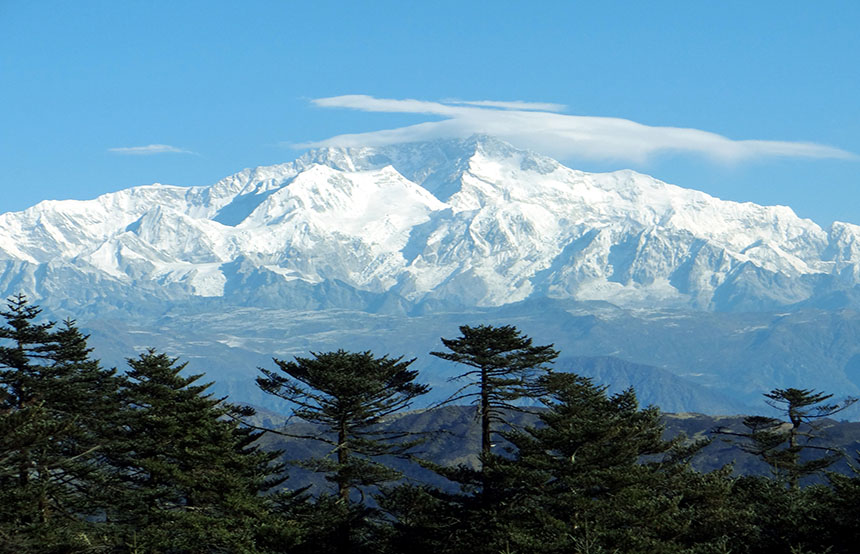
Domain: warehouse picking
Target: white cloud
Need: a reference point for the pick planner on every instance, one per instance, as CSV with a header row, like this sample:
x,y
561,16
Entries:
x,y
537,126
370,104
515,105
149,149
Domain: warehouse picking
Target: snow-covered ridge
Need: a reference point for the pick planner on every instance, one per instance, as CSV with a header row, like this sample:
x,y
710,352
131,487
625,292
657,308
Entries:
x,y
473,222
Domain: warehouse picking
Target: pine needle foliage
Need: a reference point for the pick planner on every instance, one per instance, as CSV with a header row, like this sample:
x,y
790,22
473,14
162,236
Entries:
x,y
781,444
349,394
595,473
191,475
56,404
596,470
504,366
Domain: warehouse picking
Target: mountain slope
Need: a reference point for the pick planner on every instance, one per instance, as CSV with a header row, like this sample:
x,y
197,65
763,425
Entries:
x,y
457,223
699,303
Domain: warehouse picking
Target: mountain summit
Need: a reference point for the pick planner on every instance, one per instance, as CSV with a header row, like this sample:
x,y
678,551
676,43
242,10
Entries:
x,y
467,223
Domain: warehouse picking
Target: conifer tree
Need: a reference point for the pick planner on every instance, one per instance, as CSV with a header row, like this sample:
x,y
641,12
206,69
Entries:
x,y
780,444
786,520
191,474
348,395
842,506
505,366
56,404
595,475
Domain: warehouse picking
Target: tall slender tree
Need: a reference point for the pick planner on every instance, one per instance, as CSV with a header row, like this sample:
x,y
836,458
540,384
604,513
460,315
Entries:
x,y
505,367
348,394
781,444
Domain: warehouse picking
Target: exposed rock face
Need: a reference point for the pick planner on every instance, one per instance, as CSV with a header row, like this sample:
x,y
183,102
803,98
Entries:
x,y
466,223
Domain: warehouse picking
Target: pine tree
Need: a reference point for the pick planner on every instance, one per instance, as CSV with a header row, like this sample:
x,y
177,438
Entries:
x,y
780,444
842,506
786,520
192,476
505,368
786,517
595,475
348,395
56,405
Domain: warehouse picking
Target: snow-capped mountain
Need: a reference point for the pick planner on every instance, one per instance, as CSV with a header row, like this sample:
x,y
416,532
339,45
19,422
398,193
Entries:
x,y
457,223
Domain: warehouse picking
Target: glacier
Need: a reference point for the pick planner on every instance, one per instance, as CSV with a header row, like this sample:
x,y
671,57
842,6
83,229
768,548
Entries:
x,y
466,223
388,248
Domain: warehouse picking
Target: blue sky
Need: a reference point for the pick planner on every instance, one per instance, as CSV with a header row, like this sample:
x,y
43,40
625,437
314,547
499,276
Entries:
x,y
772,89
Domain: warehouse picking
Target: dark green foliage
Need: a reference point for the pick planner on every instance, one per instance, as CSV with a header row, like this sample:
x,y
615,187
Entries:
x,y
331,526
422,519
349,394
841,508
191,475
595,475
781,444
150,462
598,473
505,368
782,520
56,404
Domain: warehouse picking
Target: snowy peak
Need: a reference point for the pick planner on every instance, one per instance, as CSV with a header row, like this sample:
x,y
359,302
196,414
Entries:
x,y
436,166
461,222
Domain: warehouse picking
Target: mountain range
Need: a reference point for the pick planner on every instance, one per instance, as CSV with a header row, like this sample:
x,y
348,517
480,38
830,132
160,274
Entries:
x,y
350,245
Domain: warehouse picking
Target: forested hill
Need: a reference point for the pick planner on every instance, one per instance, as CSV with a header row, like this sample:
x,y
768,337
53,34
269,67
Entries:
x,y
148,460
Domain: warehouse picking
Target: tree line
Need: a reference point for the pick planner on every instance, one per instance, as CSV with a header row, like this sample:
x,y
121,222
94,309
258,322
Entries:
x,y
148,461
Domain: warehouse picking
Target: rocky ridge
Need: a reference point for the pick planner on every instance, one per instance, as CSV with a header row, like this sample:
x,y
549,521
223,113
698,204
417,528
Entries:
x,y
460,223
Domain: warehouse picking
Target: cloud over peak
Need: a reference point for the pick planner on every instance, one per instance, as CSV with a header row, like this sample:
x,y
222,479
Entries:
x,y
540,127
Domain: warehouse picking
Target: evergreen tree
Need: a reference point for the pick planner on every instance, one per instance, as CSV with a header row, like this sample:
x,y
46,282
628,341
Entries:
x,y
785,517
785,520
842,507
595,475
780,444
505,367
192,476
56,405
348,394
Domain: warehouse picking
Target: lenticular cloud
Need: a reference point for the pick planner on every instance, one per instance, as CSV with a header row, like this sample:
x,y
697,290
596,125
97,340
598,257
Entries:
x,y
539,126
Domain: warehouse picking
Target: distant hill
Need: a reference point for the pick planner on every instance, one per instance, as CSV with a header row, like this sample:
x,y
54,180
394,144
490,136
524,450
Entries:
x,y
453,437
